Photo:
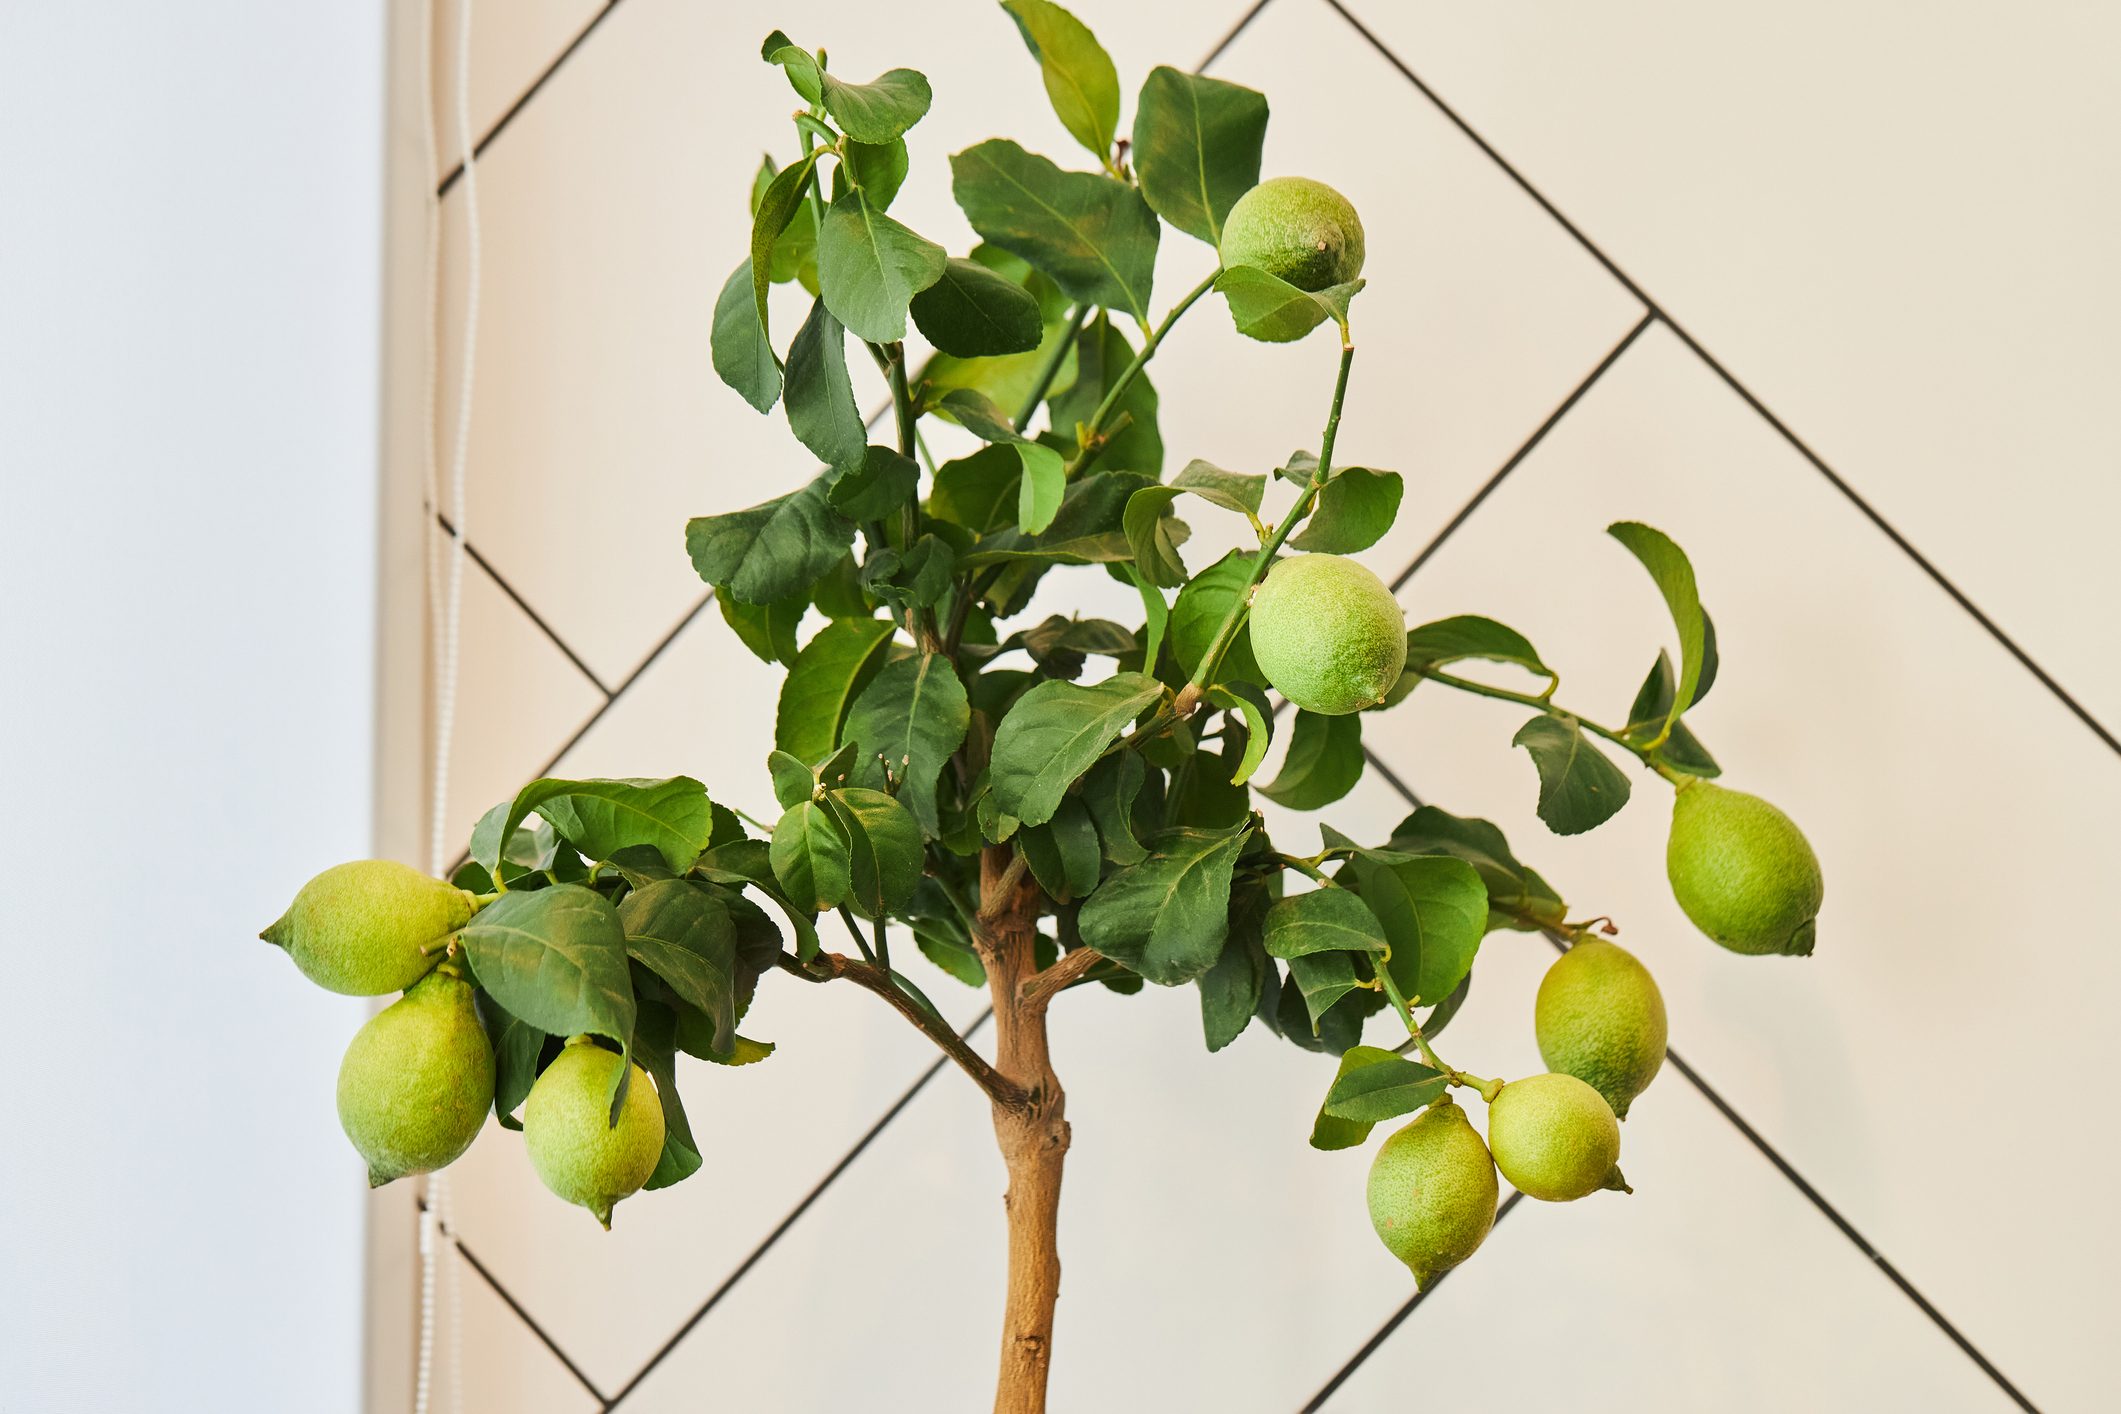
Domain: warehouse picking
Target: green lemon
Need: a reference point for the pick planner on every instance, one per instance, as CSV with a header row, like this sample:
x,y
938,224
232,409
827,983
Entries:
x,y
1600,1018
1301,230
1432,1192
1743,871
417,1080
369,928
576,1149
1555,1138
1328,634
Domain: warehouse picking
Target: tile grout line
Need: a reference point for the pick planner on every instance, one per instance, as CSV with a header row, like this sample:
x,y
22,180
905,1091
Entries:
x,y
1782,1166
1384,1332
537,86
517,1307
534,616
1834,478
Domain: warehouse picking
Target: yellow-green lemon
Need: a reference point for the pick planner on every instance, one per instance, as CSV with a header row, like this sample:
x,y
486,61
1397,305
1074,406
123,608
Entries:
x,y
1328,634
1555,1138
1432,1192
1743,871
576,1149
1600,1018
417,1080
1303,231
369,928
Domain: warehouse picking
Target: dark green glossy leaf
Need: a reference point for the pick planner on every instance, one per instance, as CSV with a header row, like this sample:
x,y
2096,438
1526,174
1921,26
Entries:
x,y
1080,79
1230,991
683,934
1197,145
1154,535
804,75
1682,750
1249,704
973,312
1199,612
601,817
1324,762
655,1047
1579,789
1085,530
1440,1015
877,488
1156,618
742,357
776,207
1384,1089
1434,911
1324,920
1338,1028
1243,492
1355,509
1270,309
1055,733
1518,898
879,169
1133,441
977,492
516,1049
884,844
829,673
1331,1132
1093,235
1167,917
811,857
882,109
556,959
1063,853
912,716
870,267
1453,640
768,630
1110,790
794,780
818,394
771,551
1323,978
1674,576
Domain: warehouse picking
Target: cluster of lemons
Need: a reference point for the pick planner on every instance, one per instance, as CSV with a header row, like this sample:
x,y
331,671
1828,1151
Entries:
x,y
418,1079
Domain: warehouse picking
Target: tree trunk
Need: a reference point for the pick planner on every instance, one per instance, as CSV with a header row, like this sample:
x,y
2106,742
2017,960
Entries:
x,y
1033,1138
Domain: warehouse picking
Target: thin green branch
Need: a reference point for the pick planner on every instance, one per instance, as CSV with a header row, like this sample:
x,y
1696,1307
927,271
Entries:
x,y
1050,369
1543,706
1092,442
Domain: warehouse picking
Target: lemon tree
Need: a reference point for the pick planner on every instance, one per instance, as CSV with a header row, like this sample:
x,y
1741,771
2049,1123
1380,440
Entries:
x,y
979,784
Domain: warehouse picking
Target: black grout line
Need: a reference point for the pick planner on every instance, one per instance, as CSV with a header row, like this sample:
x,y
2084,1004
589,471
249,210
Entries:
x,y
780,1230
1230,38
1384,1332
1782,1165
1538,435
500,125
535,617
516,1306
1730,380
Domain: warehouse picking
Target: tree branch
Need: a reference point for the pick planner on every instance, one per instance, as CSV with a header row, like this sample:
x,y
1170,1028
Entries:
x,y
995,896
1043,987
998,1088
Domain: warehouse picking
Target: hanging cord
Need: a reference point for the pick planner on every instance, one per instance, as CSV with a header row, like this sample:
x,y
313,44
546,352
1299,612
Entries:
x,y
445,621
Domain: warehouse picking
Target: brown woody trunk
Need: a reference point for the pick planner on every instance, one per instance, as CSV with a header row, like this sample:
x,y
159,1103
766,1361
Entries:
x,y
1033,1137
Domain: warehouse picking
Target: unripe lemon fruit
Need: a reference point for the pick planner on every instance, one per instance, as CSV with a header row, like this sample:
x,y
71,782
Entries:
x,y
369,928
1555,1138
417,1080
1303,231
1743,871
576,1149
1328,634
1600,1018
1432,1192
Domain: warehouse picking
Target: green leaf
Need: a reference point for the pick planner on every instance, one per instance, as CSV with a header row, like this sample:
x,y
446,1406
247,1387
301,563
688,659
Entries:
x,y
1674,576
882,109
602,817
973,312
1063,853
1324,762
1056,732
1440,1015
1232,490
1197,144
804,75
1518,898
1453,640
1102,358
768,630
1156,617
1579,789
776,208
794,780
1199,612
1093,235
1324,920
1079,75
879,169
556,958
1682,750
771,551
1332,1132
1085,530
1167,917
812,857
870,267
913,715
683,934
742,357
1384,1089
883,482
818,394
884,844
655,1047
1230,991
828,674
516,1049
1259,730
1434,911
1270,309
1154,535
976,492
1110,790
795,250
1323,978
1355,509
1042,479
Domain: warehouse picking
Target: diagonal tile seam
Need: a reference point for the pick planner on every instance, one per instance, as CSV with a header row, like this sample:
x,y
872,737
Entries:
x,y
1730,380
537,85
500,581
508,1299
1767,1151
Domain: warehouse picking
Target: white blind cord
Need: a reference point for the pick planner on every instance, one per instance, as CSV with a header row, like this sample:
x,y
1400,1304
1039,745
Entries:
x,y
445,620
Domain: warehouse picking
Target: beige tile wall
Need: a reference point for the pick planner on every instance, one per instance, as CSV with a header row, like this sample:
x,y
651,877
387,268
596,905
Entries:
x,y
1883,227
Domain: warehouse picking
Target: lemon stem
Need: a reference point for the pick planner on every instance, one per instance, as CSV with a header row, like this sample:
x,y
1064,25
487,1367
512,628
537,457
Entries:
x,y
1487,1088
1646,754
1092,444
